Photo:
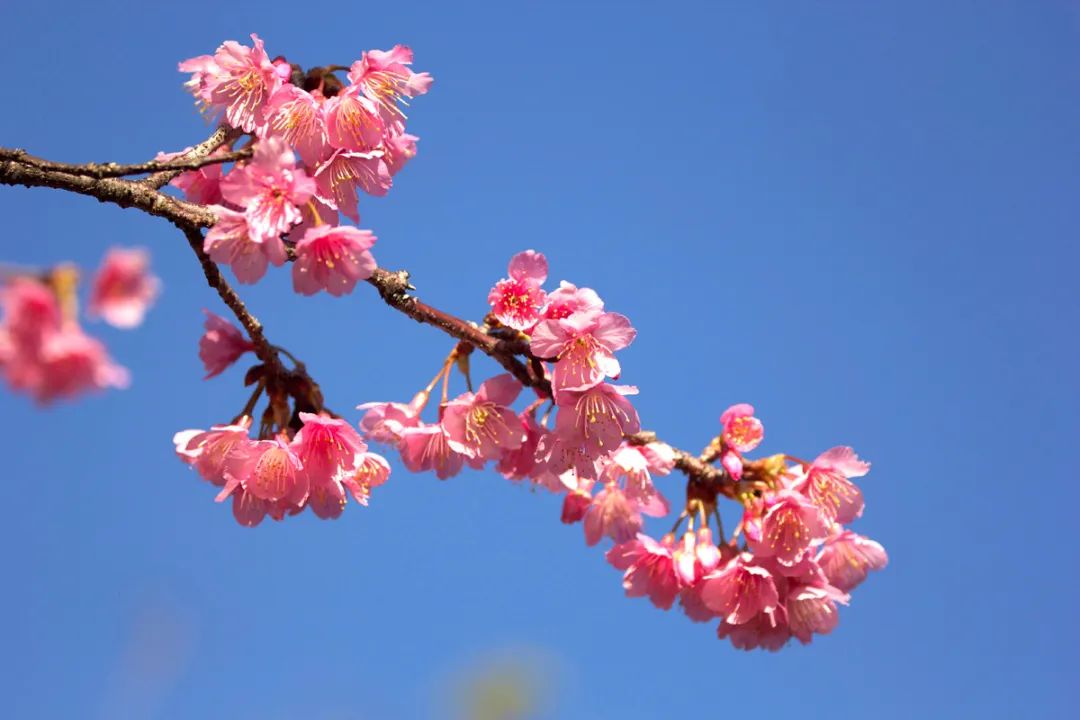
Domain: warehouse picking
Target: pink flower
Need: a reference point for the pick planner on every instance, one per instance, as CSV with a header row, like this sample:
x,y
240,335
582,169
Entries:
x,y
692,604
326,446
343,172
740,591
584,345
630,463
790,524
483,425
827,484
649,569
238,80
298,118
123,288
398,149
213,453
848,558
385,77
249,510
812,610
575,505
221,345
769,632
695,556
353,122
518,463
369,471
73,362
742,431
271,188
386,422
425,447
327,497
333,258
516,301
230,242
597,419
570,299
612,514
273,472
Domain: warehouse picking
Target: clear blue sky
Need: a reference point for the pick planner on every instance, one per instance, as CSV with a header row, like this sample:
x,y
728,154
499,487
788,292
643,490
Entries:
x,y
860,217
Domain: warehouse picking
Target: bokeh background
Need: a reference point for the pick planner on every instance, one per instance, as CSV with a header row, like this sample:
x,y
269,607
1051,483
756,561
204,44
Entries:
x,y
860,217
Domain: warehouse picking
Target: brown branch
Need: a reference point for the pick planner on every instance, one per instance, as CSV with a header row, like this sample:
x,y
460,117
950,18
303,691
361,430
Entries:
x,y
222,136
125,193
106,170
263,349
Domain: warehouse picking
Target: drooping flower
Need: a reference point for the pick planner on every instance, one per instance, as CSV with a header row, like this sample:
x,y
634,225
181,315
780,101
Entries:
x,y
848,558
630,464
612,514
385,422
369,470
298,118
828,486
332,258
575,504
213,453
518,463
386,78
237,80
766,631
123,288
812,610
353,122
270,188
273,472
72,362
326,446
648,569
231,242
482,425
425,447
221,345
740,590
584,345
598,418
516,301
398,150
343,172
788,527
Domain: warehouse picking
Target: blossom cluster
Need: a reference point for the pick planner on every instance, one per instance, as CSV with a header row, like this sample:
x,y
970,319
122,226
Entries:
x,y
317,144
797,562
281,476
44,351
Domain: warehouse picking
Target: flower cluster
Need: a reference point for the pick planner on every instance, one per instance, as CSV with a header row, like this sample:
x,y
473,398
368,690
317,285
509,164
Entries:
x,y
280,476
317,143
44,351
783,572
797,562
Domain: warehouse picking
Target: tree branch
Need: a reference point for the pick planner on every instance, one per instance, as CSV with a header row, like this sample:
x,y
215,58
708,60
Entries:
x,y
125,193
19,168
106,170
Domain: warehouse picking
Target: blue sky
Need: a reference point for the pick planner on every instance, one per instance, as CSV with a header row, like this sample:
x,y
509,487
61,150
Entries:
x,y
860,217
